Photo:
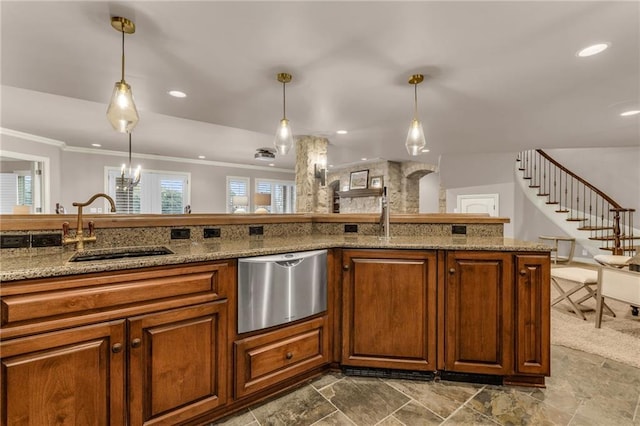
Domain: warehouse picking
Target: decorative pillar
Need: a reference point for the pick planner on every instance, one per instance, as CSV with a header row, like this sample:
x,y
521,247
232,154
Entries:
x,y
311,197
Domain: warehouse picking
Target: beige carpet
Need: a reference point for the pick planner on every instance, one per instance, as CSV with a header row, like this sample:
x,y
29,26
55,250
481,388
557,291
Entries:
x,y
617,339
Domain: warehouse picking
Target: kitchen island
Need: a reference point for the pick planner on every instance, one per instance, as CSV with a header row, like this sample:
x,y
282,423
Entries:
x,y
159,334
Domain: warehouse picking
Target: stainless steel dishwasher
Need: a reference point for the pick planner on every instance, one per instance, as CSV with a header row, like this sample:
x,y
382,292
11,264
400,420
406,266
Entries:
x,y
280,288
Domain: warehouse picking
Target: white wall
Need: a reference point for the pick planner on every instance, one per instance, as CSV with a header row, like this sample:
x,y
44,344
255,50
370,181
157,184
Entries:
x,y
429,193
616,171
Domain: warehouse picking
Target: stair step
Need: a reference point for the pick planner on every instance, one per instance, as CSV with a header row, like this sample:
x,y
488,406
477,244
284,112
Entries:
x,y
551,202
542,195
594,228
534,186
629,250
612,237
575,219
562,211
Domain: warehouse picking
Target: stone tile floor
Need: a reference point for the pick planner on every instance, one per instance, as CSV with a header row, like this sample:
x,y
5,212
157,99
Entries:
x,y
583,389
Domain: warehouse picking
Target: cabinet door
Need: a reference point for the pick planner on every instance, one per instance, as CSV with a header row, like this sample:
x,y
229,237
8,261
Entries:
x,y
389,311
532,315
478,309
71,377
178,363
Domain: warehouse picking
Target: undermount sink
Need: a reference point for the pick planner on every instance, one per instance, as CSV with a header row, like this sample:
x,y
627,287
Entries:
x,y
119,253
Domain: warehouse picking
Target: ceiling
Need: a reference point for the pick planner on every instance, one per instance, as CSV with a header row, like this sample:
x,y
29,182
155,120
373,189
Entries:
x,y
499,76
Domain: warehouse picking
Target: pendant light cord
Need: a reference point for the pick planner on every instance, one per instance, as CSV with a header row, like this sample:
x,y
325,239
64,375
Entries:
x,y
415,93
284,101
129,154
123,61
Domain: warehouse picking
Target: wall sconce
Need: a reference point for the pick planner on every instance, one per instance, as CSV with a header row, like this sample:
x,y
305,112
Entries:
x,y
240,203
122,112
262,201
320,172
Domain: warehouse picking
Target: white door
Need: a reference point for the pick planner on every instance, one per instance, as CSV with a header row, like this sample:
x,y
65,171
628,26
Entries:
x,y
479,203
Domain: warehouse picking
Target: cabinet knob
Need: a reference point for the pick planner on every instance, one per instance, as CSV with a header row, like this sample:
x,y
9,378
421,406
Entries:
x,y
289,355
523,272
345,267
452,271
116,348
135,343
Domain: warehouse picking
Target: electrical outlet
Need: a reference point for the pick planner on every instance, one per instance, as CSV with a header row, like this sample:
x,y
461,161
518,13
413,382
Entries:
x,y
350,227
46,240
256,230
14,241
211,232
180,234
584,253
458,229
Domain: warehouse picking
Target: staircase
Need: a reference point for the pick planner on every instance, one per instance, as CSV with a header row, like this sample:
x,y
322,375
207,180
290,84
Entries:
x,y
580,209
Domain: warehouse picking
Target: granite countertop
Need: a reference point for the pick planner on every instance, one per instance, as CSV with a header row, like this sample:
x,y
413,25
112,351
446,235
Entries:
x,y
55,264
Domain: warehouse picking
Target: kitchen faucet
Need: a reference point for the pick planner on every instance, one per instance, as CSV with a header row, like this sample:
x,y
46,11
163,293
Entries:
x,y
79,239
384,216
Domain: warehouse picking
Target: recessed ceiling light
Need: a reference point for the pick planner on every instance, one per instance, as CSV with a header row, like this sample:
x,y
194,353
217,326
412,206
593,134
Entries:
x,y
202,157
177,94
425,150
363,159
594,49
631,112
97,145
271,164
341,132
330,165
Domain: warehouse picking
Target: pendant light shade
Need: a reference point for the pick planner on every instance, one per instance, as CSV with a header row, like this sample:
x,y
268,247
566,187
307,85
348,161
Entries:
x,y
415,142
284,136
122,112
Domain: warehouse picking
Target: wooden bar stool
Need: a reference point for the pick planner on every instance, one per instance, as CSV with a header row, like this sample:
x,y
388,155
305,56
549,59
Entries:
x,y
554,248
581,279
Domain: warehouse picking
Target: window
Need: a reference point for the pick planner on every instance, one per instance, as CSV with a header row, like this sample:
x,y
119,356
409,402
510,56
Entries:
x,y
237,186
158,192
283,194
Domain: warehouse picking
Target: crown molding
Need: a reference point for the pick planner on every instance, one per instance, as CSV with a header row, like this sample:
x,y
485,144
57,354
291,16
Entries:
x,y
64,147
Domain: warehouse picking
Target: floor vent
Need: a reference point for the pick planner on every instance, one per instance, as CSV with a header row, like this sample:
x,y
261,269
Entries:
x,y
384,373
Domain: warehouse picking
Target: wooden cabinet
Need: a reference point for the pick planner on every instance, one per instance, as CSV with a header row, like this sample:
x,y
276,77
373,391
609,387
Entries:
x,y
177,363
497,315
532,314
478,312
389,309
67,344
74,377
268,358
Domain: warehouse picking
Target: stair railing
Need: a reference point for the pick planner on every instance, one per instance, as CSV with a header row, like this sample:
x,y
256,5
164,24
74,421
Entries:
x,y
595,211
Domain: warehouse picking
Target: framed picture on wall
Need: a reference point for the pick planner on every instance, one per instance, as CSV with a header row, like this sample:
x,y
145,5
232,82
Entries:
x,y
359,179
376,182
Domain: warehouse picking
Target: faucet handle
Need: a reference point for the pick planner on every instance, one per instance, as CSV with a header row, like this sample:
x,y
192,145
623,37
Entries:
x,y
91,225
65,229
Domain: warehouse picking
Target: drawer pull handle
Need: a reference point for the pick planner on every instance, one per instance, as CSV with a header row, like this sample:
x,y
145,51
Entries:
x,y
116,348
523,272
135,343
289,355
452,271
345,267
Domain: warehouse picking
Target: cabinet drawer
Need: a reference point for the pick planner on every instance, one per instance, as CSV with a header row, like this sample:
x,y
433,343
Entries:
x,y
266,359
37,300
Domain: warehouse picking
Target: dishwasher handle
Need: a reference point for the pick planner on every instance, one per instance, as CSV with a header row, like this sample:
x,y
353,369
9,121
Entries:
x,y
289,263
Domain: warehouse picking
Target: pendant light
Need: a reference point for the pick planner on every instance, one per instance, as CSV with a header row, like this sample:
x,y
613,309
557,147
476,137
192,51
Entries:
x,y
122,112
284,137
415,137
129,179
